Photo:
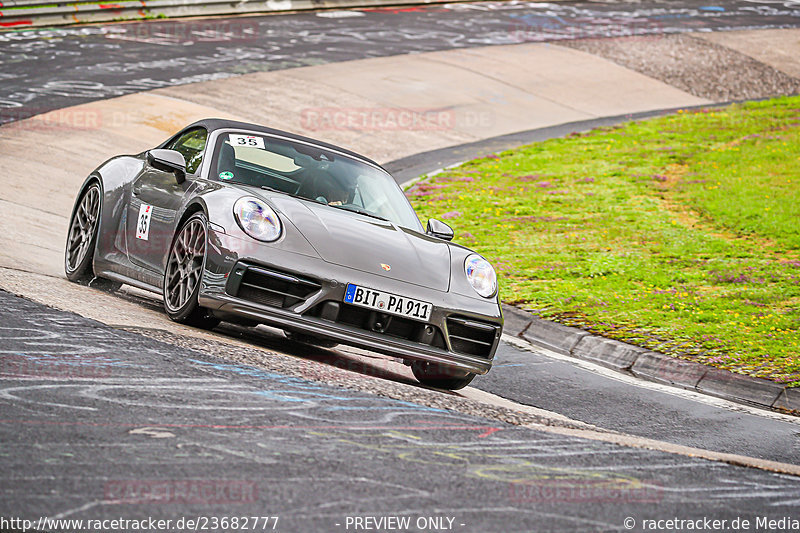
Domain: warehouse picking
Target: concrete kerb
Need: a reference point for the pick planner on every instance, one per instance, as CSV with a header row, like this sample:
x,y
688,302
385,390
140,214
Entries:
x,y
655,366
554,336
607,352
647,364
725,384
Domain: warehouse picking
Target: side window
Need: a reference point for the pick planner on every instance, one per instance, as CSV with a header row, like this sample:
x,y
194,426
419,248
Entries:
x,y
191,144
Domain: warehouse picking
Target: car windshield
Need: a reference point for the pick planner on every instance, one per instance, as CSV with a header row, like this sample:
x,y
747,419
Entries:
x,y
312,173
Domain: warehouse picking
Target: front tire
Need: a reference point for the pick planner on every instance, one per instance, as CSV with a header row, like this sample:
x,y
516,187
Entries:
x,y
440,376
187,257
82,241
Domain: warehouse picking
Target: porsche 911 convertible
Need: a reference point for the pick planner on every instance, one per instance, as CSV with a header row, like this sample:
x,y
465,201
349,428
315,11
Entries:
x,y
243,223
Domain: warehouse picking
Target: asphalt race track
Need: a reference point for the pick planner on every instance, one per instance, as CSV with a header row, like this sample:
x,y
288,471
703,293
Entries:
x,y
128,427
127,417
48,69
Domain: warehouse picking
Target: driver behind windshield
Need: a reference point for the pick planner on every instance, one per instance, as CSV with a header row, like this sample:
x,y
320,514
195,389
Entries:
x,y
328,191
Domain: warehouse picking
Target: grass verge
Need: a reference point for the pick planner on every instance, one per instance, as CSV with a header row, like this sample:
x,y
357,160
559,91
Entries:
x,y
680,234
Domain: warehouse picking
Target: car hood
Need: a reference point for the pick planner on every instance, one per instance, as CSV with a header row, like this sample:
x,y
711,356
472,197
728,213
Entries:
x,y
367,244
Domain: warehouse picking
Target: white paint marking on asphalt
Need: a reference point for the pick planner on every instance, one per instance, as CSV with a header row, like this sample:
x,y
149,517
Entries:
x,y
83,507
154,432
340,14
667,466
644,443
8,394
668,389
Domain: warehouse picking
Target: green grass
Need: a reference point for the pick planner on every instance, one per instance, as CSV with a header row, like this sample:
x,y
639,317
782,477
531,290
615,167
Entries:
x,y
680,234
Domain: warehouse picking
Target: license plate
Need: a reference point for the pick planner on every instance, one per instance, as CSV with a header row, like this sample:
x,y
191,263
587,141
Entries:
x,y
386,302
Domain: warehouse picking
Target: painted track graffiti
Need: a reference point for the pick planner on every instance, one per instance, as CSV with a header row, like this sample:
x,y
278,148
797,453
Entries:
x,y
184,433
49,69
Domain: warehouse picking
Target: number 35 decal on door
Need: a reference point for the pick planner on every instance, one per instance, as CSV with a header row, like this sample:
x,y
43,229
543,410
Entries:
x,y
143,223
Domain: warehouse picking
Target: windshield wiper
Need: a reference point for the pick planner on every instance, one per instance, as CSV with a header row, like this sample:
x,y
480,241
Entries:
x,y
359,210
272,189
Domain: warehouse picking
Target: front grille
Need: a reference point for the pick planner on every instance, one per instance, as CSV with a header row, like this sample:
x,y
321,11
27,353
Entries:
x,y
471,337
381,323
271,287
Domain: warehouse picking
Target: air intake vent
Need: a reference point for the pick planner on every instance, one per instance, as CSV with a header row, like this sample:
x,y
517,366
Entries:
x,y
471,337
273,288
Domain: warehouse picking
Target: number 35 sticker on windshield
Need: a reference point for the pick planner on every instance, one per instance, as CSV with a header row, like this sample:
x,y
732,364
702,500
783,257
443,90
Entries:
x,y
250,141
143,222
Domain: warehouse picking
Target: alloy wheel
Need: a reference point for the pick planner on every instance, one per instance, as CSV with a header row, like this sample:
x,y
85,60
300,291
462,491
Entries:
x,y
82,229
185,264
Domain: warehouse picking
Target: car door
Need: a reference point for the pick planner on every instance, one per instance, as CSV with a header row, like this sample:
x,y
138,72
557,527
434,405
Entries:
x,y
156,198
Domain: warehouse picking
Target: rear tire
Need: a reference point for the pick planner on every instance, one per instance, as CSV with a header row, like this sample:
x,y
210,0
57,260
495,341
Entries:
x,y
441,376
185,263
82,241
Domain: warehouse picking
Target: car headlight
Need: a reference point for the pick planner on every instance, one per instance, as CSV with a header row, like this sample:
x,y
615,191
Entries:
x,y
257,219
481,275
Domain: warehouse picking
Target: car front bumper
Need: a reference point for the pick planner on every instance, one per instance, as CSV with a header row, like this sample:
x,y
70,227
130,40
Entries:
x,y
229,259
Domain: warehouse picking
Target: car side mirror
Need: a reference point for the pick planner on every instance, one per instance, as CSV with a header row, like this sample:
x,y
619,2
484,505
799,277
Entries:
x,y
439,229
168,161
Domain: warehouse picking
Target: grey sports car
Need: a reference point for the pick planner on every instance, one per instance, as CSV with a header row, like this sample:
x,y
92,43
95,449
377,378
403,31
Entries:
x,y
243,223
